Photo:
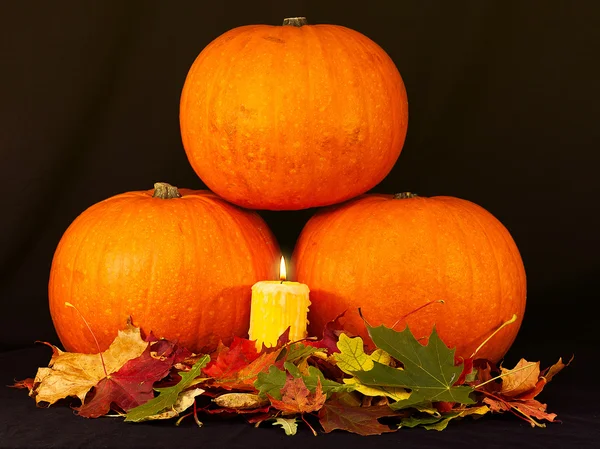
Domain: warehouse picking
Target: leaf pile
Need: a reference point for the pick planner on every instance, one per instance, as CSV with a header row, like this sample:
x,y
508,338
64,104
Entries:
x,y
328,384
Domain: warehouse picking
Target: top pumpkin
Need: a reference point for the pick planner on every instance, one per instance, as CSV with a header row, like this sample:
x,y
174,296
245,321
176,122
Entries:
x,y
291,117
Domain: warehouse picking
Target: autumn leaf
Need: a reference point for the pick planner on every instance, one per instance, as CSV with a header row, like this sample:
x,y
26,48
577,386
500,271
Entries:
x,y
184,400
132,384
74,374
523,377
429,422
167,397
299,350
272,382
530,410
336,415
237,367
228,360
429,370
517,392
353,358
240,401
289,425
330,336
296,398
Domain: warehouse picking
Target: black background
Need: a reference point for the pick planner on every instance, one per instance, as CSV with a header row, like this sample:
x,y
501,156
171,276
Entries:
x,y
503,111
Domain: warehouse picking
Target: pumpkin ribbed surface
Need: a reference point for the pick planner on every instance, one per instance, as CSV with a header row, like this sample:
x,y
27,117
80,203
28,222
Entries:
x,y
180,267
391,256
291,117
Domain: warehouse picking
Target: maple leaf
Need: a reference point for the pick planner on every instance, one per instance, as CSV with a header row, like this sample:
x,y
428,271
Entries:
x,y
74,374
297,398
518,389
132,384
272,382
529,409
523,377
167,397
429,370
229,360
336,415
237,367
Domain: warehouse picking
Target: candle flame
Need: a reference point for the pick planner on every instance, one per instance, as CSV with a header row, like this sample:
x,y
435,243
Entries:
x,y
282,270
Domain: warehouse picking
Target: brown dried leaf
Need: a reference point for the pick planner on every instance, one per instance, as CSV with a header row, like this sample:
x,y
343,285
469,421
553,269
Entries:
x,y
523,377
240,401
74,374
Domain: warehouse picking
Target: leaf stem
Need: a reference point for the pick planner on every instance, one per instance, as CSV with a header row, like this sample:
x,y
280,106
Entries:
x,y
68,304
506,323
440,301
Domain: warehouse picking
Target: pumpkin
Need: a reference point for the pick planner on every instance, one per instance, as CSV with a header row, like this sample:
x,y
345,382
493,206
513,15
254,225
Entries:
x,y
294,116
180,263
392,255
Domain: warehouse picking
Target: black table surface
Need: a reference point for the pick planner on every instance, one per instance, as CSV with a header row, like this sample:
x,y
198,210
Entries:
x,y
573,395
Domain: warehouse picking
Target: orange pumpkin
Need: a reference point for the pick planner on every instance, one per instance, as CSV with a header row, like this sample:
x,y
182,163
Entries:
x,y
291,117
181,263
391,255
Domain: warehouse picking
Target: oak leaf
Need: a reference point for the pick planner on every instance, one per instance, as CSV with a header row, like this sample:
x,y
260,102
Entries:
x,y
74,374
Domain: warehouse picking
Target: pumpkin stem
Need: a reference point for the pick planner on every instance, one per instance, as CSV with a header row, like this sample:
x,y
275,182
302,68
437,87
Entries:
x,y
165,191
295,21
404,195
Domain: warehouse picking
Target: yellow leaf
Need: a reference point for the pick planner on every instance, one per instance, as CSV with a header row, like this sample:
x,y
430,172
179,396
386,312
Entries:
x,y
352,356
397,394
74,374
379,355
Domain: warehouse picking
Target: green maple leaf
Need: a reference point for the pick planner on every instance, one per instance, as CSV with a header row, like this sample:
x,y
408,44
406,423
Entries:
x,y
272,382
429,370
167,397
314,375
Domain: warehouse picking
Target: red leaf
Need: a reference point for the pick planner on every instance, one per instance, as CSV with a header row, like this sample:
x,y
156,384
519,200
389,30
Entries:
x,y
243,379
297,398
467,369
132,385
330,335
361,420
231,359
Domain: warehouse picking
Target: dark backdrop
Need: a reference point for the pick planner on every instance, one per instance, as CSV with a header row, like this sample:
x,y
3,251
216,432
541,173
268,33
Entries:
x,y
503,111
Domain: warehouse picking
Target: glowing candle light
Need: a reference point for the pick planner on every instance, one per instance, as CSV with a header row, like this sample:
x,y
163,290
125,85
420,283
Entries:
x,y
277,305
